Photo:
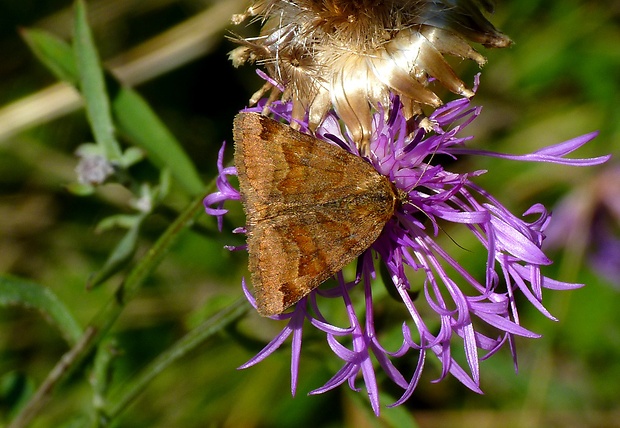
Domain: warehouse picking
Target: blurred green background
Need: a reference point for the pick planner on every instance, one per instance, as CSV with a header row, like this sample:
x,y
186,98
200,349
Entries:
x,y
561,79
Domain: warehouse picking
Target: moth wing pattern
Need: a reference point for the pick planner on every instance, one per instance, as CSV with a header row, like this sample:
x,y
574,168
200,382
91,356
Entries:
x,y
311,208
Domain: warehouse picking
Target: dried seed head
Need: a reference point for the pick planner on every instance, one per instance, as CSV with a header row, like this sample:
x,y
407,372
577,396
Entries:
x,y
349,55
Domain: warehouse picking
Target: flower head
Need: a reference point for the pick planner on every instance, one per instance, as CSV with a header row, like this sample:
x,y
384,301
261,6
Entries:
x,y
454,306
94,168
351,55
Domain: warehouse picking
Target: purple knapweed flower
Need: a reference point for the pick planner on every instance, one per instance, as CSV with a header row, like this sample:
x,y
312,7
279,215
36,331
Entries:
x,y
456,302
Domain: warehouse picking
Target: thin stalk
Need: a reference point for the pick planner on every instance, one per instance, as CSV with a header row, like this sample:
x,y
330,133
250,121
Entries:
x,y
103,321
187,343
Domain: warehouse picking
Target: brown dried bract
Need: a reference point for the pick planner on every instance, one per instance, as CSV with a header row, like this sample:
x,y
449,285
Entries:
x,y
311,208
350,55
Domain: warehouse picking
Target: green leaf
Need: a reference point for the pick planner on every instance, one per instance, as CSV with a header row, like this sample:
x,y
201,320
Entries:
x,y
125,221
102,373
53,52
138,122
194,338
80,189
92,85
165,182
120,255
132,156
134,117
20,292
398,416
391,417
15,390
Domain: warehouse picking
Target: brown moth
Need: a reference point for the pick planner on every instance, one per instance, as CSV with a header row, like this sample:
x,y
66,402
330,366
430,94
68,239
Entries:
x,y
311,208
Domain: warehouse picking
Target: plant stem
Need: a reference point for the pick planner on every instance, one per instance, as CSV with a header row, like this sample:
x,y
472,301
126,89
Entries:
x,y
190,341
58,372
103,321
